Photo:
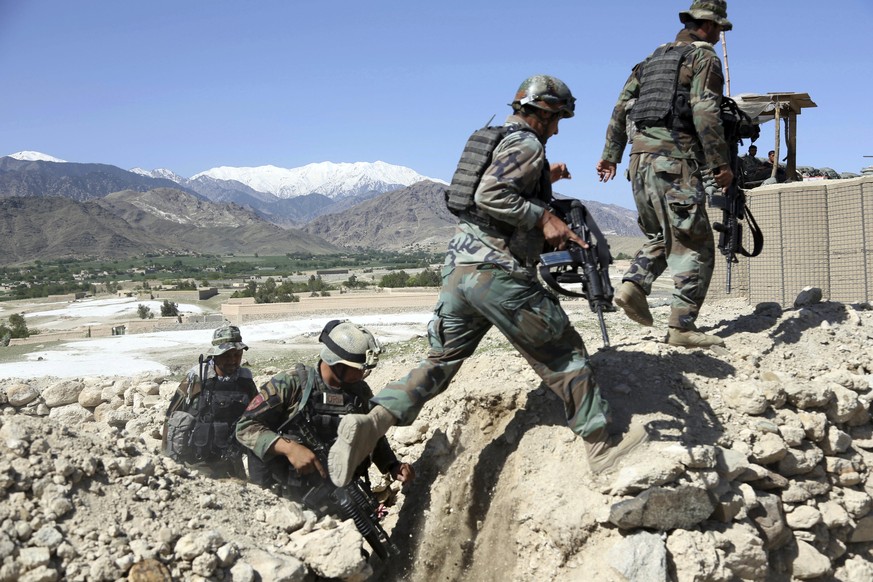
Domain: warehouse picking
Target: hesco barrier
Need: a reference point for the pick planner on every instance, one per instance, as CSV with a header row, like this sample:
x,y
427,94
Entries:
x,y
815,234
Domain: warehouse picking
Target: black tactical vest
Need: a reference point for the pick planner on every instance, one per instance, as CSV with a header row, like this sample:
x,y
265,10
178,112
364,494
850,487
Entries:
x,y
662,101
219,406
323,409
477,156
327,406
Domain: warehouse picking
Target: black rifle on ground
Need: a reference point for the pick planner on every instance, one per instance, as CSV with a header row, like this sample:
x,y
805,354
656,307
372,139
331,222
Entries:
x,y
354,501
562,267
737,126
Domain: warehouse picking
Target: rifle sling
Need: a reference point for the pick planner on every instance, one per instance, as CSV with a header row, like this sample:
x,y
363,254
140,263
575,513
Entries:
x,y
308,381
757,237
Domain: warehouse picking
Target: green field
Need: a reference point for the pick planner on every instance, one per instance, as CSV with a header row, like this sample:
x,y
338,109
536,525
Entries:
x,y
44,278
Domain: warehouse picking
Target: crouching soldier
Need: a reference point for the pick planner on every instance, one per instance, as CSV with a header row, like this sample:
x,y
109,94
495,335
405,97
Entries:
x,y
293,420
202,415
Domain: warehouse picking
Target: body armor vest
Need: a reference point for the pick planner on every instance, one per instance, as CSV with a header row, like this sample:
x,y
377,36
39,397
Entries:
x,y
663,102
325,409
219,407
477,156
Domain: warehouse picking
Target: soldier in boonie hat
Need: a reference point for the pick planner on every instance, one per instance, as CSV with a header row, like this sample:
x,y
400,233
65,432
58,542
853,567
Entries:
x,y
714,10
677,93
226,338
202,414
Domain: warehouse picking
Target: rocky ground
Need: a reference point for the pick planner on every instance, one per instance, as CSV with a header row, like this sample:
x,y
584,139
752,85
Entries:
x,y
758,470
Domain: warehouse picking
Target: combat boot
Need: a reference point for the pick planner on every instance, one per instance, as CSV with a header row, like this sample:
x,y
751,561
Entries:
x,y
605,450
692,338
357,435
631,298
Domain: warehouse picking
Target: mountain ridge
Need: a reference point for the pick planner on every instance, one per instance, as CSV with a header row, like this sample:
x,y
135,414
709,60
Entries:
x,y
416,216
149,211
129,223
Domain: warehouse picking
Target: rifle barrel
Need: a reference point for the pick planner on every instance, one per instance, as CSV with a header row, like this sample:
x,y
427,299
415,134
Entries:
x,y
728,277
603,332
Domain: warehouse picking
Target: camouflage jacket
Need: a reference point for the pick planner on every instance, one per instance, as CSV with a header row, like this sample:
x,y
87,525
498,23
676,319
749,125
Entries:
x,y
279,399
505,193
701,70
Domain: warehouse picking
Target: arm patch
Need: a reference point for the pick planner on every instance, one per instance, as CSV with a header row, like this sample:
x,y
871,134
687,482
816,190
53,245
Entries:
x,y
256,402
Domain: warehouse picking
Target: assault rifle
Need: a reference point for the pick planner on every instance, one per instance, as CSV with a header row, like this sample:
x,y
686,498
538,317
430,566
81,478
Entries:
x,y
561,267
737,126
354,501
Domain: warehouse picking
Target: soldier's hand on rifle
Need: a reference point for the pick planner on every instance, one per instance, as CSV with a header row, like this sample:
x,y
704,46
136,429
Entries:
x,y
300,457
723,177
559,171
403,472
557,232
606,170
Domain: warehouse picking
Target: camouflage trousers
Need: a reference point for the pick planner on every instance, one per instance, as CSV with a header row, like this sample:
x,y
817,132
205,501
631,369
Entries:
x,y
474,298
671,203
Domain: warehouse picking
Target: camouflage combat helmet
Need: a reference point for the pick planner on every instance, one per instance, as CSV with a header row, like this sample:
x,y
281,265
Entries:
x,y
546,93
349,344
714,10
226,338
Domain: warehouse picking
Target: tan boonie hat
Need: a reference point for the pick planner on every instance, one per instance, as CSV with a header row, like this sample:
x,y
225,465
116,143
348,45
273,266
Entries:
x,y
226,338
714,10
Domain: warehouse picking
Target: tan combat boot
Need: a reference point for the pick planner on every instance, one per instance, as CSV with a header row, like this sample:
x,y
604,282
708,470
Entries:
x,y
691,338
604,450
357,435
631,298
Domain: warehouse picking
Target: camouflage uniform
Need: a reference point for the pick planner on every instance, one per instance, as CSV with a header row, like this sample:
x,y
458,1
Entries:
x,y
488,280
279,399
666,170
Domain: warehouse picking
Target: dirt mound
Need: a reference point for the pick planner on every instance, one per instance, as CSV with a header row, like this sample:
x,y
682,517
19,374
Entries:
x,y
758,469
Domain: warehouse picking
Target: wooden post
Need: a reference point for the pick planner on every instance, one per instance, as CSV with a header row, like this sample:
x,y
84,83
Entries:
x,y
727,69
791,141
776,146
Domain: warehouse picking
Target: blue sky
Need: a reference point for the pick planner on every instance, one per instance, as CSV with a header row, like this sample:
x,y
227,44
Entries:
x,y
190,85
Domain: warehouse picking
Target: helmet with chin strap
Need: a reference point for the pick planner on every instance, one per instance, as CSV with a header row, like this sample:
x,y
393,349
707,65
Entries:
x,y
349,344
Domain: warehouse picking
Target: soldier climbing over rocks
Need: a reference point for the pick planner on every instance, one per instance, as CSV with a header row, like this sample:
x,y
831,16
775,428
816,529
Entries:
x,y
489,279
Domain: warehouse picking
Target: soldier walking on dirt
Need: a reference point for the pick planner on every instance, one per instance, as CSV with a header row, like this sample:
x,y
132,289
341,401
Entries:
x,y
489,279
678,91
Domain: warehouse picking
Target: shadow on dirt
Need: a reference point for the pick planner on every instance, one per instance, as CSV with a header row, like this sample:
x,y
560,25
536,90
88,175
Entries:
x,y
661,388
658,388
787,326
415,511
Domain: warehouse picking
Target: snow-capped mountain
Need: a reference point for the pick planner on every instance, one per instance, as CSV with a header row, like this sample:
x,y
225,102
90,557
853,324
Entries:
x,y
160,173
284,196
28,156
334,180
